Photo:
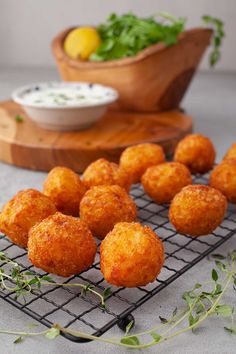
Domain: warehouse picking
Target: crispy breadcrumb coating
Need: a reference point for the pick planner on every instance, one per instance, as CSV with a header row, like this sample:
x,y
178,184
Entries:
x,y
131,255
61,245
197,210
196,152
104,206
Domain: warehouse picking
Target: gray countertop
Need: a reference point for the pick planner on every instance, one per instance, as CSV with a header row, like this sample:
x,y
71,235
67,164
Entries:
x,y
211,100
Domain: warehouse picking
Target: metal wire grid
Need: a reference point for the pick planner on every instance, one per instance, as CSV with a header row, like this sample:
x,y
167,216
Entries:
x,y
70,308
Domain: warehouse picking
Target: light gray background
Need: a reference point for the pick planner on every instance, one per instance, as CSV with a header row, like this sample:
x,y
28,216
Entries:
x,y
27,26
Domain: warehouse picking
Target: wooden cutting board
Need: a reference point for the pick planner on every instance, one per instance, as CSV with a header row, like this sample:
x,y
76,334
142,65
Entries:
x,y
26,145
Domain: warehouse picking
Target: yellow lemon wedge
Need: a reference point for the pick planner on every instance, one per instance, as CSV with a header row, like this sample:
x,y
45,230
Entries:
x,y
81,42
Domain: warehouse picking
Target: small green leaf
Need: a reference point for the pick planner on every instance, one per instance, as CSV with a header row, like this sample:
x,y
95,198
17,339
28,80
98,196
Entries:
x,y
200,308
128,327
107,292
189,297
18,340
218,256
52,333
197,286
29,273
224,310
47,278
233,255
163,320
214,275
174,313
130,340
32,325
33,281
19,119
192,320
221,266
218,289
157,337
232,330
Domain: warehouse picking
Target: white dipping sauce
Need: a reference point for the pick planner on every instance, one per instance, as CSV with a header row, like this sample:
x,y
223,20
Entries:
x,y
64,96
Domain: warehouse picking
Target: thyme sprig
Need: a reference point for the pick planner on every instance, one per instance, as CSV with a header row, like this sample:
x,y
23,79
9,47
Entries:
x,y
21,283
201,302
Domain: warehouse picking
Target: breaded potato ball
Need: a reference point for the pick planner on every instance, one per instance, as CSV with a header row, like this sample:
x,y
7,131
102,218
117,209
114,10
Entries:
x,y
164,181
61,245
64,187
197,210
131,255
136,159
196,152
23,211
104,206
223,178
102,172
231,153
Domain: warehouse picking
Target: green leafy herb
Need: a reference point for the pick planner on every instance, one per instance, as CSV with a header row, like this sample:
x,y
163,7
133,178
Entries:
x,y
133,341
18,340
157,337
214,275
219,34
201,302
124,36
129,327
19,119
224,310
22,283
107,292
230,329
52,333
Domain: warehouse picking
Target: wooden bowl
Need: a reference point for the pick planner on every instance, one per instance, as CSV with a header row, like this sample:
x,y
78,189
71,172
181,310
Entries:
x,y
155,80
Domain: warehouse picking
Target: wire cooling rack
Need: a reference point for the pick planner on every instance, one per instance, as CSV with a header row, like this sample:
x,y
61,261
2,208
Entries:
x,y
71,309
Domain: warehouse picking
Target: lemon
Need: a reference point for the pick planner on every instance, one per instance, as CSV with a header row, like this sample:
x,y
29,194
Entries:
x,y
81,42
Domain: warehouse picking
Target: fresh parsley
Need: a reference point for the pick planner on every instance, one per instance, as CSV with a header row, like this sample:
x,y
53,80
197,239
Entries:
x,y
126,35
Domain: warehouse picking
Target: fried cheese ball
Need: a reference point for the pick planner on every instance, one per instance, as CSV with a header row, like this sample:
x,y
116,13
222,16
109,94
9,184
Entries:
x,y
103,172
64,187
62,245
197,210
131,255
231,153
164,181
196,152
23,211
104,206
136,159
223,178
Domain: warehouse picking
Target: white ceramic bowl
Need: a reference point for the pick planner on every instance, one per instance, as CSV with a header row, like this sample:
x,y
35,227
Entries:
x,y
64,106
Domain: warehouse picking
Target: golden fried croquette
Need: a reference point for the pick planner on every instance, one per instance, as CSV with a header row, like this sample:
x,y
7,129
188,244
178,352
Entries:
x,y
197,210
164,181
104,206
136,159
23,211
64,187
103,172
196,152
231,153
223,178
131,255
61,245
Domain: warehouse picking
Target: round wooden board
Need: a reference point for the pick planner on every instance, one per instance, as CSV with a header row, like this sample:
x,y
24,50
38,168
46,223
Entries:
x,y
26,145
